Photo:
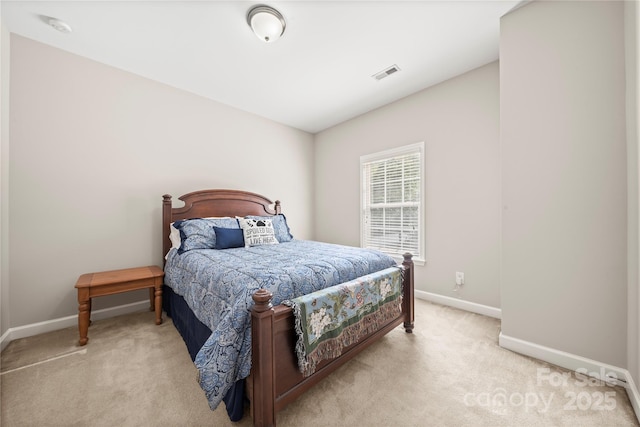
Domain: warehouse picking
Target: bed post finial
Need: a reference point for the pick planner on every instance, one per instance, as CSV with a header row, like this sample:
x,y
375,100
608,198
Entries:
x,y
407,286
262,298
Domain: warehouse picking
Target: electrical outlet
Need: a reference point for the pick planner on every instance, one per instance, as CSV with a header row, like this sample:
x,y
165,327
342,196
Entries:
x,y
459,278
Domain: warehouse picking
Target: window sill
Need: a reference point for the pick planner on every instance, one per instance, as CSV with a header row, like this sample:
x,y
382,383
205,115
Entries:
x,y
416,261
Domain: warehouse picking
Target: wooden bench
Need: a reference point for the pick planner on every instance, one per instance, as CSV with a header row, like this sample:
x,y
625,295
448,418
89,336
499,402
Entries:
x,y
113,282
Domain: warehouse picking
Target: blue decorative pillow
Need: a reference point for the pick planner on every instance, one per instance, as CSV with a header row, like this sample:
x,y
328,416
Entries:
x,y
227,238
280,226
198,233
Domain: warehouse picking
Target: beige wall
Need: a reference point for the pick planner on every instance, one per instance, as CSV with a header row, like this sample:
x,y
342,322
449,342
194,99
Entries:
x,y
632,55
458,121
4,177
93,149
564,178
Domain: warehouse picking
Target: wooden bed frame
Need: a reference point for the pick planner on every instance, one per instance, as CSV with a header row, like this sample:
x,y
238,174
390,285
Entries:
x,y
275,379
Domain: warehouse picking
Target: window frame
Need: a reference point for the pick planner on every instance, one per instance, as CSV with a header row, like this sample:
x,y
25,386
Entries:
x,y
387,155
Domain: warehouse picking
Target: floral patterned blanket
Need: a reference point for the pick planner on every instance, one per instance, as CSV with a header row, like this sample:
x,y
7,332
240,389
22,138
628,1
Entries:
x,y
218,286
329,320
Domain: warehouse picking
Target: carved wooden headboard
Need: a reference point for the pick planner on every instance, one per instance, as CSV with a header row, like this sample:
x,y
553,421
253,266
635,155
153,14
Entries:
x,y
213,203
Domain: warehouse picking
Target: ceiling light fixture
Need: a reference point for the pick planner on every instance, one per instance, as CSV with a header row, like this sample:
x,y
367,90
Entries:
x,y
266,22
59,25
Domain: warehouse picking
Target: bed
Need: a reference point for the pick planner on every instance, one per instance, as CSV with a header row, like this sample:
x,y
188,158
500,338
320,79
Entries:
x,y
272,376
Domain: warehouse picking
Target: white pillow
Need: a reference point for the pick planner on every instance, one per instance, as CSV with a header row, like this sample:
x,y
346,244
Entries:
x,y
257,232
174,236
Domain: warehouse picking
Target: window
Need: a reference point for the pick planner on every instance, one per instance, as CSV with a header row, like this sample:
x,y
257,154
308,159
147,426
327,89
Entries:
x,y
392,201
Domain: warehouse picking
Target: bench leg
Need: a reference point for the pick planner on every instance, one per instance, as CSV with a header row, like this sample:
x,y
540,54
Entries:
x,y
158,303
152,299
84,314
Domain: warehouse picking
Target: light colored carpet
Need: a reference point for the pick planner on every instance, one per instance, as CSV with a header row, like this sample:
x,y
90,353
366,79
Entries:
x,y
450,372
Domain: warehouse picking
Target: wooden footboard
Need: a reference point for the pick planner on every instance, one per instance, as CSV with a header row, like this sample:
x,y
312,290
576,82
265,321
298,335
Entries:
x,y
275,379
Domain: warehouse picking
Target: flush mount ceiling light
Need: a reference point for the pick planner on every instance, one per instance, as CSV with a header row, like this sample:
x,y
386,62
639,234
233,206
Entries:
x,y
59,25
266,22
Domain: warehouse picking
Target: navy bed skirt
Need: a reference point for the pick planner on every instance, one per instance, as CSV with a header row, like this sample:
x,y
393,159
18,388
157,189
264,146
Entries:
x,y
195,333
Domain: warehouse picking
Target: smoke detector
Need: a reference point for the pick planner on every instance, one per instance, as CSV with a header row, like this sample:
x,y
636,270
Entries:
x,y
59,25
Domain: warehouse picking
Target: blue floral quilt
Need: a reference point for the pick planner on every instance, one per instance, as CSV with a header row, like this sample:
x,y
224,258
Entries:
x,y
218,286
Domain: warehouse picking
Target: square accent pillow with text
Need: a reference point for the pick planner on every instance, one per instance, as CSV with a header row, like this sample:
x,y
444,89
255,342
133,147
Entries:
x,y
257,232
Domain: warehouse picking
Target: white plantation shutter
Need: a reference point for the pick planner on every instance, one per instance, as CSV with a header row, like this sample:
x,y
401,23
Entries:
x,y
392,200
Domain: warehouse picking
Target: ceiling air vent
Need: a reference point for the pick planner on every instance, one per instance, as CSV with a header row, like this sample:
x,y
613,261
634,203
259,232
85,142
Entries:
x,y
386,73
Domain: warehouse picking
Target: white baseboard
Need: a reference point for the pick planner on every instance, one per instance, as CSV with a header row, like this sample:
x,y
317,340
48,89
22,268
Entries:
x,y
601,371
461,304
65,322
634,396
4,339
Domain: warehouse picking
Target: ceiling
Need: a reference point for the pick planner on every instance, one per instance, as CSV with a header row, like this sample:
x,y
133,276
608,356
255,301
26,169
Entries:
x,y
317,75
